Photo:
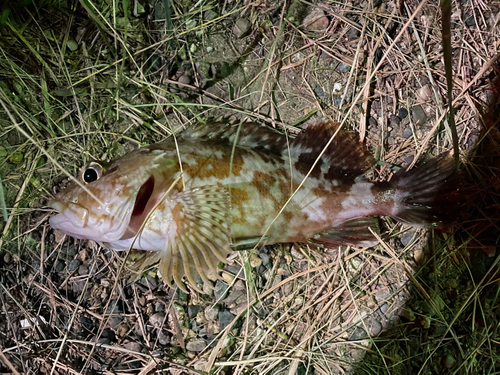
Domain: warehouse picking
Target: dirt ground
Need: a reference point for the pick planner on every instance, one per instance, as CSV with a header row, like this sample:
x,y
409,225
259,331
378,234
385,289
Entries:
x,y
83,81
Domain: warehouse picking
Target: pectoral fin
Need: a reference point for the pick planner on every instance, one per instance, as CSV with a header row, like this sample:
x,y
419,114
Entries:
x,y
202,237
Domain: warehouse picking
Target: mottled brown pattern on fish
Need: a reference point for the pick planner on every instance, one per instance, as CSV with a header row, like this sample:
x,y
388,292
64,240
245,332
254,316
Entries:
x,y
239,199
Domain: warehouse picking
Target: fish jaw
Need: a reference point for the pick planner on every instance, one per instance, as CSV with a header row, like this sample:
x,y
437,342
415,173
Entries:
x,y
76,221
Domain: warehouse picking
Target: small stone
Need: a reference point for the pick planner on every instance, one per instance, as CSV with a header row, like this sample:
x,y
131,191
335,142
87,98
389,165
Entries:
x,y
59,266
452,283
225,318
133,346
343,68
227,277
316,20
220,289
157,320
7,258
353,33
418,115
73,265
234,298
394,120
255,261
196,345
265,258
407,132
318,90
296,254
242,28
358,334
191,24
449,361
184,80
376,328
210,49
407,238
408,314
210,15
163,339
211,313
72,45
402,113
425,93
193,48
113,307
193,310
83,270
114,322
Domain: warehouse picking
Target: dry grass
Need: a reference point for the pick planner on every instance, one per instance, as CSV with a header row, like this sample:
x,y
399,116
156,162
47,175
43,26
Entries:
x,y
91,80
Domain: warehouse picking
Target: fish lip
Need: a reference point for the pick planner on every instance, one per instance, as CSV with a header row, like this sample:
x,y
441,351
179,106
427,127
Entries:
x,y
57,205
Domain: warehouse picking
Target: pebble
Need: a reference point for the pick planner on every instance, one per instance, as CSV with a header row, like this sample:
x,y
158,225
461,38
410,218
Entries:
x,y
133,346
59,266
7,258
394,120
255,260
225,318
449,361
210,15
83,270
316,20
407,132
358,334
114,322
376,328
193,310
233,298
211,313
265,258
221,288
184,79
73,265
113,307
407,237
318,90
418,115
157,320
402,113
196,345
163,339
343,68
353,33
242,28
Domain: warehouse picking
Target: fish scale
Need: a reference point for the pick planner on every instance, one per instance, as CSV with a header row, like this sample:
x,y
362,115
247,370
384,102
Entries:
x,y
222,186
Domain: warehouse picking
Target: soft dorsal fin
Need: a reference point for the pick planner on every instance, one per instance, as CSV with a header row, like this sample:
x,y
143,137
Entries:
x,y
344,157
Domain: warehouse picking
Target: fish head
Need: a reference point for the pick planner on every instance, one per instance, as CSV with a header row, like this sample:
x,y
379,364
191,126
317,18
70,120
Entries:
x,y
108,203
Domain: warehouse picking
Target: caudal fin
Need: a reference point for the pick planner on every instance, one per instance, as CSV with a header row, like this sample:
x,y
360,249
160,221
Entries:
x,y
429,195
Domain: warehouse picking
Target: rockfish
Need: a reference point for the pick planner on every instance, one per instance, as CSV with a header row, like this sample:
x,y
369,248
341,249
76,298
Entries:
x,y
220,187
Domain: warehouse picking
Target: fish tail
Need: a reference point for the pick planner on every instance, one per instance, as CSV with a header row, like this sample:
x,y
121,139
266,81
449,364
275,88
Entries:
x,y
429,195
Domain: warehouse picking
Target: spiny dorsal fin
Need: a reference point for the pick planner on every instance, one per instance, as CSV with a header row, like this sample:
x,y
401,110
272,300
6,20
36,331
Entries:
x,y
202,237
248,134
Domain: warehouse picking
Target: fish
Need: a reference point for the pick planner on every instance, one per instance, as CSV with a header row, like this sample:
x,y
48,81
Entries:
x,y
218,187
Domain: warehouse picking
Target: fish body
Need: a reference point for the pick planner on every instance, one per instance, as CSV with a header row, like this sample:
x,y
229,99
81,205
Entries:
x,y
219,187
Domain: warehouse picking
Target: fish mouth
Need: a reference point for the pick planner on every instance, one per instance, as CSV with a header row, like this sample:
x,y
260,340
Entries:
x,y
70,219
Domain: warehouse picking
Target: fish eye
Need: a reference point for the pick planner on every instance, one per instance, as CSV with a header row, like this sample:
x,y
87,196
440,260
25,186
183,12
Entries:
x,y
92,173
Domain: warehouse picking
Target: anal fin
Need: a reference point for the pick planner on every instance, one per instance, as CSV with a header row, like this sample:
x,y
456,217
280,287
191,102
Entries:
x,y
355,232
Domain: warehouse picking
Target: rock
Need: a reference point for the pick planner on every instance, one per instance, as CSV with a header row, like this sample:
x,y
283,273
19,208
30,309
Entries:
x,y
358,334
353,33
318,90
193,310
133,346
163,339
225,318
204,69
7,258
316,20
196,345
449,361
407,237
242,28
83,270
220,289
376,328
233,298
184,80
255,261
407,132
113,307
114,322
418,115
211,313
157,320
73,265
210,15
343,68
265,258
402,113
394,120
59,266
